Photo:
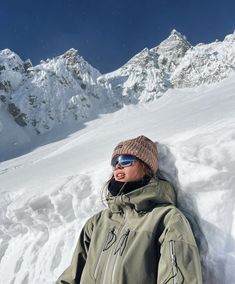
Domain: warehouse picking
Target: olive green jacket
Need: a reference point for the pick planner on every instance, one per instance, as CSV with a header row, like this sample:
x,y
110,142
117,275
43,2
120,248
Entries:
x,y
142,238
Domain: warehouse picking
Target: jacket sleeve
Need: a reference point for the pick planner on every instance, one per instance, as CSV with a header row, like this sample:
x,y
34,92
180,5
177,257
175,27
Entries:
x,y
72,274
179,257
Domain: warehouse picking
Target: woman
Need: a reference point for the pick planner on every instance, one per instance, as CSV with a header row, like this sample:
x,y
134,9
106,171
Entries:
x,y
141,238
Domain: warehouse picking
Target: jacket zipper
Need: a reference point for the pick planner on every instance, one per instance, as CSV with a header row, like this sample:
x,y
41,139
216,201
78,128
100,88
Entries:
x,y
112,252
173,262
123,239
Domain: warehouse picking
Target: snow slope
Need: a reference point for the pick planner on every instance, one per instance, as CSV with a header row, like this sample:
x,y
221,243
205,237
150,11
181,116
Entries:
x,y
47,194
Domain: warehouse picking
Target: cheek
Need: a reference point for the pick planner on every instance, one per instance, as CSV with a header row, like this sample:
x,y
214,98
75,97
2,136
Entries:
x,y
134,173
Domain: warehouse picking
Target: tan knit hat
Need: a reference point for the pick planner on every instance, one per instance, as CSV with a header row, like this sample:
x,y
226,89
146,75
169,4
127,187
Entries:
x,y
141,147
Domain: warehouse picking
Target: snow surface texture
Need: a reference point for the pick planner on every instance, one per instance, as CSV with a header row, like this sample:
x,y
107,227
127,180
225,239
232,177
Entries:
x,y
48,193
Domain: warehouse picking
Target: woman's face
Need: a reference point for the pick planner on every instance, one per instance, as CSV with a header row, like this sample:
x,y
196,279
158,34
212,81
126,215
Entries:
x,y
133,173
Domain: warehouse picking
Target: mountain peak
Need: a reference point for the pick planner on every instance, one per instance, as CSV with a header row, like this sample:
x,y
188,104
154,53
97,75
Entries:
x,y
174,40
175,32
8,54
72,55
71,52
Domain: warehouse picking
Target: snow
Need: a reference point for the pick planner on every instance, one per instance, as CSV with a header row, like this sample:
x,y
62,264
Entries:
x,y
48,192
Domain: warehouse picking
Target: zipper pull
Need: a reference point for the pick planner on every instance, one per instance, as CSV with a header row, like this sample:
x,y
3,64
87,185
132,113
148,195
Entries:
x,y
173,261
110,240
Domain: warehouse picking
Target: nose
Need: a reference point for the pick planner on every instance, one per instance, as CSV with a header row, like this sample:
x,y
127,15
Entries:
x,y
118,166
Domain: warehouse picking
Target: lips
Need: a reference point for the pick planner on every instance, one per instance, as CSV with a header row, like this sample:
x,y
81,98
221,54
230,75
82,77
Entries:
x,y
120,176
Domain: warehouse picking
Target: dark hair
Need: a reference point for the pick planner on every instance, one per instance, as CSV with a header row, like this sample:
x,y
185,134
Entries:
x,y
104,191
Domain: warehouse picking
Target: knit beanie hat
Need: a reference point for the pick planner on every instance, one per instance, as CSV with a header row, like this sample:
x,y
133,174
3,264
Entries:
x,y
141,147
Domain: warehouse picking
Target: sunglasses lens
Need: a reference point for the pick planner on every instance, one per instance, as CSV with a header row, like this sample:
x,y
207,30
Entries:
x,y
123,160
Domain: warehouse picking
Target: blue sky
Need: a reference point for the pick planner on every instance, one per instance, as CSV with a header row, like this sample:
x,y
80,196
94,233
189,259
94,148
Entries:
x,y
107,33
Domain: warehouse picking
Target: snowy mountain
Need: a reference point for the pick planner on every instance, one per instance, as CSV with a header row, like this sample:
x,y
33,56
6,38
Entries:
x,y
175,63
147,75
57,90
206,64
66,88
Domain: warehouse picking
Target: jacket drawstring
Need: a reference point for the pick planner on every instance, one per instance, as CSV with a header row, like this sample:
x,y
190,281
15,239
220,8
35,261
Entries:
x,y
122,243
110,240
120,191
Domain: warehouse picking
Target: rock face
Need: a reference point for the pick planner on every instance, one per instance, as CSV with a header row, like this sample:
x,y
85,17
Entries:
x,y
67,88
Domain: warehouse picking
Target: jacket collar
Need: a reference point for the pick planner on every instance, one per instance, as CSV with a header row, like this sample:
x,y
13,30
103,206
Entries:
x,y
156,192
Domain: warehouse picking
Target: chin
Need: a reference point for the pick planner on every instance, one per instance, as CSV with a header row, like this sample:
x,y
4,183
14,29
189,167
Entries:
x,y
121,180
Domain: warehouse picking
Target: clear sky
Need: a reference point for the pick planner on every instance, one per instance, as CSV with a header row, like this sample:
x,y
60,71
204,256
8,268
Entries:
x,y
107,33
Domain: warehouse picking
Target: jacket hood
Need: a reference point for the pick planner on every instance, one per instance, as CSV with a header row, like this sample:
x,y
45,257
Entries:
x,y
144,198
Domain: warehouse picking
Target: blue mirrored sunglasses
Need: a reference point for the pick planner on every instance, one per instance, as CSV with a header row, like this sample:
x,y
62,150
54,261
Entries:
x,y
123,160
